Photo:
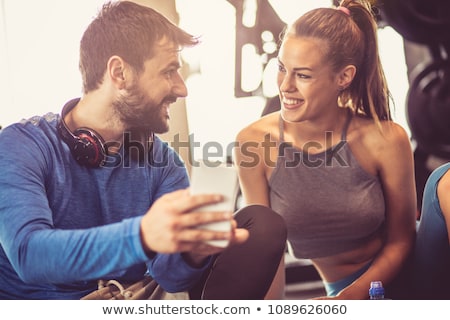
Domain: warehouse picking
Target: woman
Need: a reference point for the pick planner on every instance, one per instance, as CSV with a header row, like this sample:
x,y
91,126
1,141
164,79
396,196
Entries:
x,y
431,263
331,161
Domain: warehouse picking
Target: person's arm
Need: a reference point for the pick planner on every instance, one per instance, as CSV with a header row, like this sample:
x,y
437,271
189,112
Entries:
x,y
250,161
395,165
443,191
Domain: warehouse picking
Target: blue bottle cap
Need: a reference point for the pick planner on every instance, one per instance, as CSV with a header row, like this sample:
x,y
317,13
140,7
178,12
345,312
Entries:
x,y
376,289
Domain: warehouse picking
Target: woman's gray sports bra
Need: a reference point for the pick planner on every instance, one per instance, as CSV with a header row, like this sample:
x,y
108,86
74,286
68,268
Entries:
x,y
330,204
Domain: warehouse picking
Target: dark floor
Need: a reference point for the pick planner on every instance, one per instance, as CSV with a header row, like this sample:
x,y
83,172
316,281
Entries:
x,y
304,291
302,280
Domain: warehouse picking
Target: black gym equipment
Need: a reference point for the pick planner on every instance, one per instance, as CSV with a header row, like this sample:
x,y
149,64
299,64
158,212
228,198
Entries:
x,y
428,104
419,21
428,101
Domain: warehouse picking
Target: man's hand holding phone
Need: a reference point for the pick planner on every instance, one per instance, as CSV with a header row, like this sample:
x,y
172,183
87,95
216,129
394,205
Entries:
x,y
198,220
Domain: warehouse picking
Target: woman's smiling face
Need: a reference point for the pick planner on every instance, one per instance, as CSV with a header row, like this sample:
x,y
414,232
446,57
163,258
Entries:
x,y
306,81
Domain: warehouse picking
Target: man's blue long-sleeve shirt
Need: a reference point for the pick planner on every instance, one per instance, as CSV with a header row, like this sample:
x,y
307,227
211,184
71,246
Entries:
x,y
63,226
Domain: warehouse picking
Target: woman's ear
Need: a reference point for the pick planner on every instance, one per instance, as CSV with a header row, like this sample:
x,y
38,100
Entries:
x,y
346,76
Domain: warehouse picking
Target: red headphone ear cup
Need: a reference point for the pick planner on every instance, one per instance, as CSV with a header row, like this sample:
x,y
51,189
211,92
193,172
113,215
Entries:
x,y
89,148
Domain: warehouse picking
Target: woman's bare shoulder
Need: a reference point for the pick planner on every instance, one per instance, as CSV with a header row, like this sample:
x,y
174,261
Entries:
x,y
443,190
379,134
257,130
444,184
376,145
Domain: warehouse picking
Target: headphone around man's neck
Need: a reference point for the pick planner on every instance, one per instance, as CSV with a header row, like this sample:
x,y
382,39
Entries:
x,y
87,146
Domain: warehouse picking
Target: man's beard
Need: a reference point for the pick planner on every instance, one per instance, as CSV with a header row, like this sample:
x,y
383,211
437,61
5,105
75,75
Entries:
x,y
137,113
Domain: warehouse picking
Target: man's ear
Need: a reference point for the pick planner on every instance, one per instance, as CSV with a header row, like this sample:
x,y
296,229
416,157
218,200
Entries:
x,y
346,76
116,71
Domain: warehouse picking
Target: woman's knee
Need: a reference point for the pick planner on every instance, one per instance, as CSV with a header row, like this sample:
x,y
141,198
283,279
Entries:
x,y
262,222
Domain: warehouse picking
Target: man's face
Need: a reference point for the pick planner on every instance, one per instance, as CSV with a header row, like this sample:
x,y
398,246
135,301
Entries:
x,y
146,102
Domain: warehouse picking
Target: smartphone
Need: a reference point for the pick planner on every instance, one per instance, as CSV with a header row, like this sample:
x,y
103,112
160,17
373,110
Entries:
x,y
220,178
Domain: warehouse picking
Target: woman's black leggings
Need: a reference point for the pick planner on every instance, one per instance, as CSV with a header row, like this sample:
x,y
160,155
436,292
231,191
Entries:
x,y
246,271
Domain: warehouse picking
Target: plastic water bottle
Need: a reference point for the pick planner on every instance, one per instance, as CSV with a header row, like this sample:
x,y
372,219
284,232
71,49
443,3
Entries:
x,y
376,291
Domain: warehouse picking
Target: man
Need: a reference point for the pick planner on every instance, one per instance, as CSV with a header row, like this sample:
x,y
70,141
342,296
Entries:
x,y
93,194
